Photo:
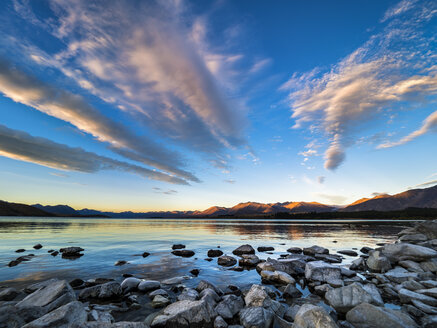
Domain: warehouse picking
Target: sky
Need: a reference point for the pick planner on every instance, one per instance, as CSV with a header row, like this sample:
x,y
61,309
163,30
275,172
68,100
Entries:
x,y
182,105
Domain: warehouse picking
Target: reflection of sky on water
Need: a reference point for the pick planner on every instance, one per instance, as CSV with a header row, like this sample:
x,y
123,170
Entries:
x,y
108,240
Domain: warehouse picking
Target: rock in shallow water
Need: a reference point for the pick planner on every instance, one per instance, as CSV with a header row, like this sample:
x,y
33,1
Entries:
x,y
110,290
226,260
214,253
69,315
243,249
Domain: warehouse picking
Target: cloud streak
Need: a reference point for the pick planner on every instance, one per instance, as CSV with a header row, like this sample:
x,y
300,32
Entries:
x,y
22,146
28,90
393,67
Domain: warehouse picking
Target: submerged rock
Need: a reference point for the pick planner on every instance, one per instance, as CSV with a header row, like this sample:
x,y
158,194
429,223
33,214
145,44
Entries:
x,y
37,246
243,249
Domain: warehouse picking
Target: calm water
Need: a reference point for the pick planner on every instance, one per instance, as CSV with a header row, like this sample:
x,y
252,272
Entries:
x,y
108,240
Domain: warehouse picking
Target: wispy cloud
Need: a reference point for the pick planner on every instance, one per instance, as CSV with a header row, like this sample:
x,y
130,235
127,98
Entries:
x,y
332,199
24,147
230,181
426,184
158,190
394,66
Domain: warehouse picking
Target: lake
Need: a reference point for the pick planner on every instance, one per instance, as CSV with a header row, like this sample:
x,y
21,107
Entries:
x,y
108,240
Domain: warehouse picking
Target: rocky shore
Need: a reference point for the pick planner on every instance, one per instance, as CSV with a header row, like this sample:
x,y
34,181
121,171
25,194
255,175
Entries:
x,y
390,286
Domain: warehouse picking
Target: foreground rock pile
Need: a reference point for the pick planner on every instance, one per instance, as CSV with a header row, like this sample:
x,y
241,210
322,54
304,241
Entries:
x,y
388,287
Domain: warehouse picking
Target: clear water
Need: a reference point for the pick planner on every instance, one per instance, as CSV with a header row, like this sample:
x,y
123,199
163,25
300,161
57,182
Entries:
x,y
108,240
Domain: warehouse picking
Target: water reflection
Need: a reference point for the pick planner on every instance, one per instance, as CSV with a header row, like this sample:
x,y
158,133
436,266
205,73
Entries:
x,y
108,240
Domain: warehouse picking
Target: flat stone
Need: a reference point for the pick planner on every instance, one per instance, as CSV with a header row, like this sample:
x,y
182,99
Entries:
x,y
378,262
109,290
416,238
160,301
291,291
348,252
37,246
407,296
178,246
404,251
411,266
130,283
49,293
189,294
69,315
279,277
321,271
315,250
8,294
428,309
294,250
148,285
345,298
249,260
265,249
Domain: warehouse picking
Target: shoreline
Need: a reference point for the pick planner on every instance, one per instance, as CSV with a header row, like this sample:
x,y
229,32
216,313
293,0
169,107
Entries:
x,y
302,285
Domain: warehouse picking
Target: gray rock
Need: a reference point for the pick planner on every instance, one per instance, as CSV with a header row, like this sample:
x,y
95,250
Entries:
x,y
348,273
311,316
226,260
429,283
173,281
229,306
412,285
8,294
291,291
404,251
411,266
215,253
429,266
416,238
58,292
110,290
322,289
399,275
257,296
290,266
358,264
130,283
160,291
321,271
100,316
294,250
378,262
407,296
71,251
185,314
330,258
429,321
120,324
178,246
12,316
277,277
265,249
249,260
203,284
281,323
148,285
219,322
189,294
209,295
243,249
367,315
348,252
291,312
183,252
315,250
256,317
428,309
160,301
429,292
70,315
366,249
345,298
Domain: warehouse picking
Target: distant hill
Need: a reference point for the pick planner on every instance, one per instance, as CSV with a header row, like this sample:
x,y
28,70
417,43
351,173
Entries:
x,y
419,198
416,198
16,209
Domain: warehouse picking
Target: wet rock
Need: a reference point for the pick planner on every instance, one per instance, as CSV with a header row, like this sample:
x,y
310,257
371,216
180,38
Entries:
x,y
311,316
69,315
411,266
160,301
249,260
416,238
257,296
109,290
208,259
120,263
348,252
130,283
243,249
229,306
185,314
428,309
404,251
173,281
429,266
203,284
226,260
329,258
265,249
291,291
290,266
71,251
366,249
407,296
210,296
8,294
145,254
53,294
366,315
345,298
214,253
177,246
195,272
291,312
256,317
219,322
159,291
315,250
188,294
37,246
429,321
321,271
13,263
120,324
55,253
100,316
278,277
399,275
183,253
294,250
21,250
322,289
237,269
148,285
76,283
412,285
378,262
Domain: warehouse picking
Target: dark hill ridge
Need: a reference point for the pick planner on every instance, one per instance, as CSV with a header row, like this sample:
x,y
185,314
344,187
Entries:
x,y
415,198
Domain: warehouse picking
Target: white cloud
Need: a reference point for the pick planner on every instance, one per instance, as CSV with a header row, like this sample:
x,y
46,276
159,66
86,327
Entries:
x,y
426,184
394,66
22,146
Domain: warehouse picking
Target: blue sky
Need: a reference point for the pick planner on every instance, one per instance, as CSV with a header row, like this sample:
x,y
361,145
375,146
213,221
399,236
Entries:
x,y
164,105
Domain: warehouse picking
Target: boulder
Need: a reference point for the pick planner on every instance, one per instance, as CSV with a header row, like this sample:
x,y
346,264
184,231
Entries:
x,y
257,296
428,228
120,324
413,238
51,295
404,251
265,249
358,264
215,253
311,316
101,316
407,296
110,290
278,277
203,284
183,253
148,285
315,250
321,271
160,291
429,266
229,306
188,294
428,309
209,295
160,301
243,249
226,260
256,317
12,316
185,314
69,315
295,250
291,291
429,321
219,322
345,298
399,275
8,294
130,283
366,249
411,266
37,246
71,251
378,262
290,266
249,260
367,315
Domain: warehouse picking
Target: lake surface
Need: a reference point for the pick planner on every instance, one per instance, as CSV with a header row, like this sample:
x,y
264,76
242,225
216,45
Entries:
x,y
108,240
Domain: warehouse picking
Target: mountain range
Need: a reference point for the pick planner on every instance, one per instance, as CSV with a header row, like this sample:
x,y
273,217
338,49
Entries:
x,y
417,198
